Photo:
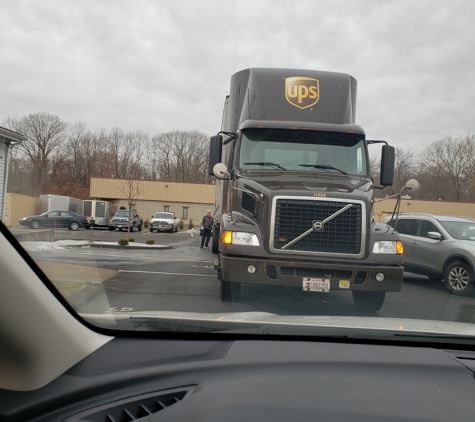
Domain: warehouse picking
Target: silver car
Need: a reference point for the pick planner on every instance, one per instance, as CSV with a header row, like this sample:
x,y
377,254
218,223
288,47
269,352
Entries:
x,y
440,247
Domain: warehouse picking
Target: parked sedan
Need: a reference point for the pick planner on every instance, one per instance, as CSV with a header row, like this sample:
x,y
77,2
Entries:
x,y
440,247
56,220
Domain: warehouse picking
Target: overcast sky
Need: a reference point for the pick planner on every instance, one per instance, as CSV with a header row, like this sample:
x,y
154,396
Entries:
x,y
164,65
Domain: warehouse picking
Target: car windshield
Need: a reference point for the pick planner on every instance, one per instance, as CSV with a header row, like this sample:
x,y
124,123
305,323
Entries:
x,y
460,230
257,166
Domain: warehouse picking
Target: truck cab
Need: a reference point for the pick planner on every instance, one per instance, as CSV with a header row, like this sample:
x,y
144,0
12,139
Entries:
x,y
294,193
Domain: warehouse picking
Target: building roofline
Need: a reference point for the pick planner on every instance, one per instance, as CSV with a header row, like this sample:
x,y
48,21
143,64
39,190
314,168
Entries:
x,y
11,135
151,180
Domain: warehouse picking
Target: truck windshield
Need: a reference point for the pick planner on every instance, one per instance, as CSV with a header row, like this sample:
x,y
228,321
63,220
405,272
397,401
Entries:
x,y
303,151
122,213
162,215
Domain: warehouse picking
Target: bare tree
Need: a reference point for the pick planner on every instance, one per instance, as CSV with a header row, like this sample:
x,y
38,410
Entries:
x,y
131,190
45,134
180,156
19,179
404,169
450,163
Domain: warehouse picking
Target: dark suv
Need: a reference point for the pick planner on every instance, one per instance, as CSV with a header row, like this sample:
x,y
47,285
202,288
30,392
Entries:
x,y
440,247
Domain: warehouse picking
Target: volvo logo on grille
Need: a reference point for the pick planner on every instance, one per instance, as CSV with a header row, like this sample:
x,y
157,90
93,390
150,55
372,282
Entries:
x,y
318,226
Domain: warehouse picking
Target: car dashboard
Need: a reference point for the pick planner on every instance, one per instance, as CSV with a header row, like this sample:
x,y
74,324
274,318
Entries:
x,y
147,380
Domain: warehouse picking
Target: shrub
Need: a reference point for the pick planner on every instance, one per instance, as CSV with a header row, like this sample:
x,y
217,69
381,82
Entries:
x,y
150,242
146,224
131,239
190,224
181,224
122,208
123,242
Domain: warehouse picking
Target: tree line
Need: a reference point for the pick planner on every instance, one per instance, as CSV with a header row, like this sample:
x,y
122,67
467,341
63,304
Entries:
x,y
445,170
60,158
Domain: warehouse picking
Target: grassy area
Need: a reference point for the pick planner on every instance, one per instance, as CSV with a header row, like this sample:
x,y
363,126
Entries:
x,y
67,288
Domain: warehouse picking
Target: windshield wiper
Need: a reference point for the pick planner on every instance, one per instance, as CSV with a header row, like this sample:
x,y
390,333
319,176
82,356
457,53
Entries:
x,y
266,163
323,166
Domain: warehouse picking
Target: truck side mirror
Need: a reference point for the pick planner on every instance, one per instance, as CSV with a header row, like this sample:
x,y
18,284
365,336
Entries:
x,y
215,149
386,177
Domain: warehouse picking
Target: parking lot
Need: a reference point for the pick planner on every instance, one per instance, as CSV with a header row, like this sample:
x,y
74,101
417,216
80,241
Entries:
x,y
182,278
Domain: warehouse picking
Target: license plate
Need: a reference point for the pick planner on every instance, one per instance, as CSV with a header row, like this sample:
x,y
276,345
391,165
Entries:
x,y
315,284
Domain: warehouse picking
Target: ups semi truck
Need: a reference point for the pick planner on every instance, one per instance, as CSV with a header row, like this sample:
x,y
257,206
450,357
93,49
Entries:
x,y
294,193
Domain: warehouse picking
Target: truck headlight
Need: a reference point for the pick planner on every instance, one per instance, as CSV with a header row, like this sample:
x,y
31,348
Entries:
x,y
239,238
388,247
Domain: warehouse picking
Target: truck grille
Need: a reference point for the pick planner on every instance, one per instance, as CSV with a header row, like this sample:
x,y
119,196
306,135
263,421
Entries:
x,y
341,235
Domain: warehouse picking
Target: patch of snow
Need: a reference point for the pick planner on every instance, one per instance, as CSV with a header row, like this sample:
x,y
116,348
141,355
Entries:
x,y
64,245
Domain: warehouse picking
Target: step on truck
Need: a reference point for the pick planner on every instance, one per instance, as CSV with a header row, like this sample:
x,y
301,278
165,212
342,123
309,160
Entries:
x,y
294,192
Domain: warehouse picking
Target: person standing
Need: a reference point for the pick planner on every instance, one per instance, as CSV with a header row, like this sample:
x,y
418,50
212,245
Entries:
x,y
207,224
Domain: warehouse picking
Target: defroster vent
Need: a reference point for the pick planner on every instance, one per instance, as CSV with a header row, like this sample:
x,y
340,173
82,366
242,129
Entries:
x,y
133,408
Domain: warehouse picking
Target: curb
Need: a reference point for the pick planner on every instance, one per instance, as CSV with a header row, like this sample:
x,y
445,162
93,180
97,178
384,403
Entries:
x,y
85,295
92,245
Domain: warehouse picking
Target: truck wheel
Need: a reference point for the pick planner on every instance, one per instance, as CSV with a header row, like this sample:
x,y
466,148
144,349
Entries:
x,y
176,228
120,229
228,291
458,278
151,230
215,240
111,229
131,229
368,301
139,228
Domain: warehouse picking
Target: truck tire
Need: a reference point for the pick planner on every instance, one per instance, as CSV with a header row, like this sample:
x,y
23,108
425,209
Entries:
x,y
215,240
139,228
368,301
151,230
176,228
111,229
458,278
132,228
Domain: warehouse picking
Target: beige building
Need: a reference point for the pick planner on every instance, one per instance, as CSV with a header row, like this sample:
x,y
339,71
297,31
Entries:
x,y
18,206
186,200
191,200
384,208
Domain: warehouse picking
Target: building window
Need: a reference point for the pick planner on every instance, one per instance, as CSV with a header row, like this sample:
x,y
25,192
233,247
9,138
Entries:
x,y
166,208
185,213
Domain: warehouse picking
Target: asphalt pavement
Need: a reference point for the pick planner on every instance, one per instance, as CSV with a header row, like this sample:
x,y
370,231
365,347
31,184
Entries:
x,y
183,279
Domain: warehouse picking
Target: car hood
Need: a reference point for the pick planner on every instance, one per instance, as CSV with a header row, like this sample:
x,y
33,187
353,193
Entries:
x,y
269,323
468,244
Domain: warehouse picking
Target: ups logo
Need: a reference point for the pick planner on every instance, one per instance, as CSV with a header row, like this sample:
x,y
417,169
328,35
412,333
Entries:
x,y
302,92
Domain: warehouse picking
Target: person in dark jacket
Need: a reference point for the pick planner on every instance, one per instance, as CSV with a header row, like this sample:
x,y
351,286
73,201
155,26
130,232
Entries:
x,y
207,225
